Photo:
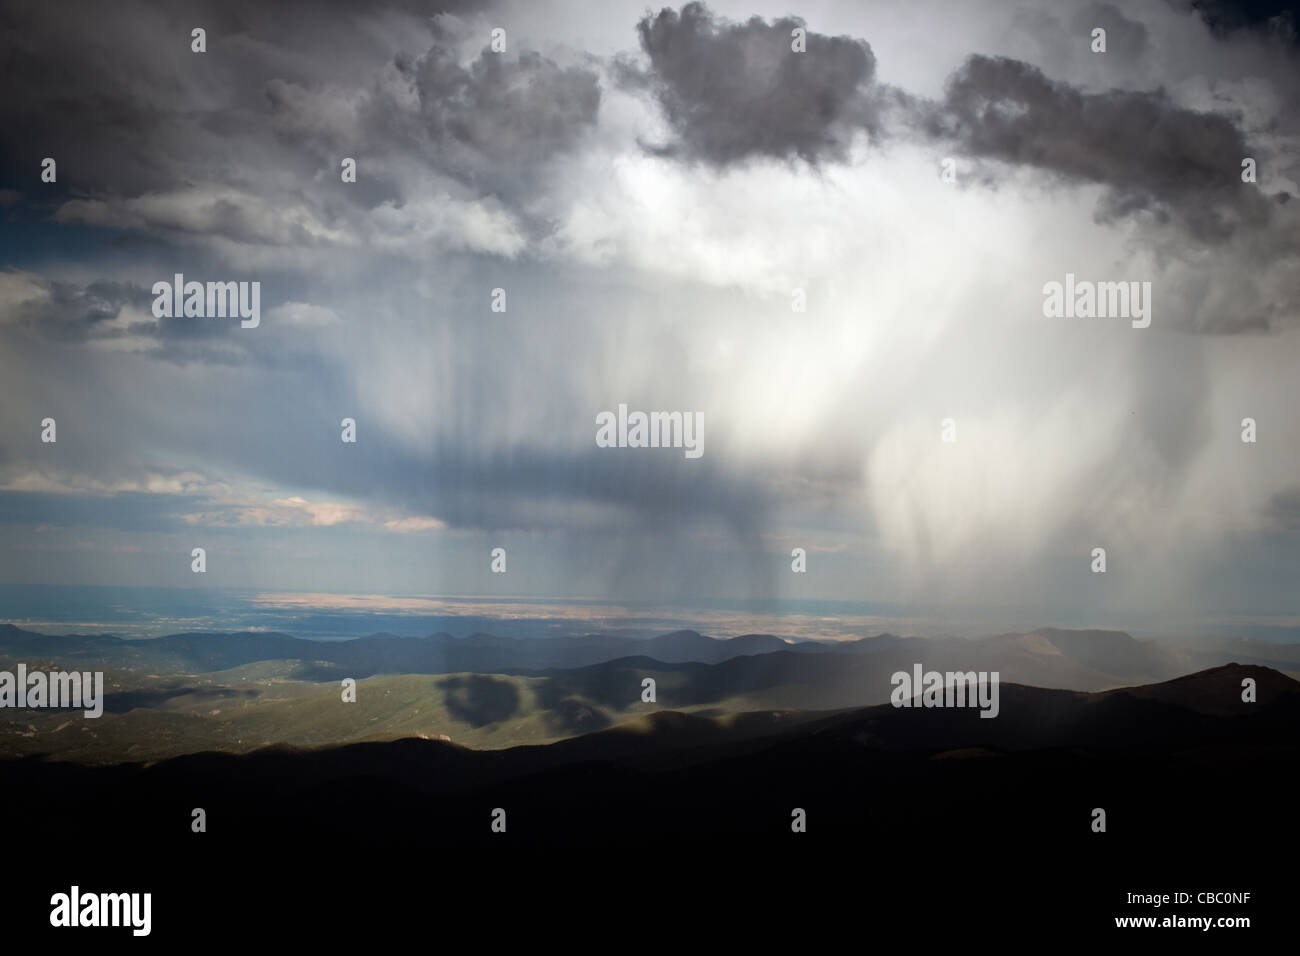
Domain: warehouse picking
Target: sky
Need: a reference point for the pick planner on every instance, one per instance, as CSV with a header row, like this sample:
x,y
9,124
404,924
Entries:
x,y
657,191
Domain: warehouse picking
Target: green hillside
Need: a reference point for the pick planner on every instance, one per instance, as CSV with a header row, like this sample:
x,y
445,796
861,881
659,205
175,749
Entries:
x,y
256,705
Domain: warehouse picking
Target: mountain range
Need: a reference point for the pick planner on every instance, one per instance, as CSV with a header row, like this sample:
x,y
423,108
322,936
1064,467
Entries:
x,y
237,692
907,813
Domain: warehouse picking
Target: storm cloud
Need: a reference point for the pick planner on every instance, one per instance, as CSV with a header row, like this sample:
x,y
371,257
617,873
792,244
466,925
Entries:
x,y
1153,156
737,90
683,213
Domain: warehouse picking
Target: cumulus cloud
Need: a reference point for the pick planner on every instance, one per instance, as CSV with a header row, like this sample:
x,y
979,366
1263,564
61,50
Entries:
x,y
733,91
1153,156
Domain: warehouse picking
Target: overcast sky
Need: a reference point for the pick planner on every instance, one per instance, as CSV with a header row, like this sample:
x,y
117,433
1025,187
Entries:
x,y
650,188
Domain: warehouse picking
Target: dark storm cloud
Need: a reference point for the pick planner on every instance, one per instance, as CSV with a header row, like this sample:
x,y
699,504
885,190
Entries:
x,y
114,93
119,100
1155,158
129,112
733,91
1277,18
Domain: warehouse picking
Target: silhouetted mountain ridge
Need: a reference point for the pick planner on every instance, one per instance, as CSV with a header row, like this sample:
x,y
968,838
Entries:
x,y
390,654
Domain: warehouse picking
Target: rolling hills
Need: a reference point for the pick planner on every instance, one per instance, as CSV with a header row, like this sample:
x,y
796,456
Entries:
x,y
238,692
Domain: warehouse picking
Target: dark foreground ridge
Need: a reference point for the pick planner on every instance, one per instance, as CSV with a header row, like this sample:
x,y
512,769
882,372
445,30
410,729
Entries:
x,y
909,811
